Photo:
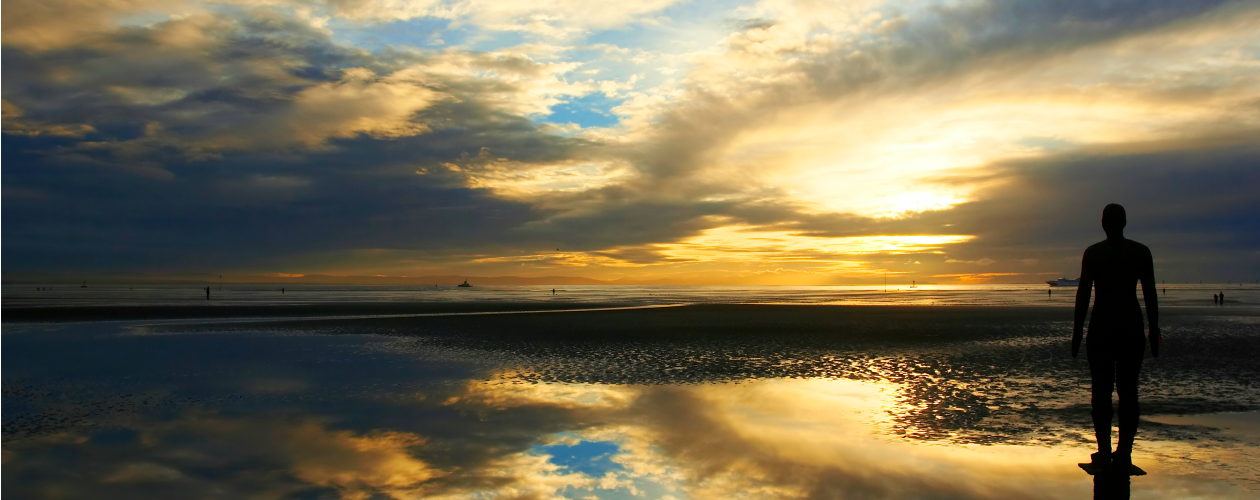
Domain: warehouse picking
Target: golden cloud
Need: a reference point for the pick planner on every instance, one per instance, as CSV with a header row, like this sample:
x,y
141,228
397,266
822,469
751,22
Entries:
x,y
360,103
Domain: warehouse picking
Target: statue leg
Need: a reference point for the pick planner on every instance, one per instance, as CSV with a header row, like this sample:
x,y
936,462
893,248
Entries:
x,y
1102,370
1128,367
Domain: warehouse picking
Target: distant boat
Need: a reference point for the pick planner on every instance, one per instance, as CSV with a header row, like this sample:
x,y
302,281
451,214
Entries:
x,y
912,285
1064,282
465,284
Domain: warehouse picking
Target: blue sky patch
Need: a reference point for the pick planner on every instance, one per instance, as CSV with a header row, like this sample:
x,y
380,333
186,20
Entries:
x,y
593,110
592,458
425,32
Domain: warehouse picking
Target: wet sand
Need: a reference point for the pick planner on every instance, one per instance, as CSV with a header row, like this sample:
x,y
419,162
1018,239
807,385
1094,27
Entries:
x,y
690,402
211,310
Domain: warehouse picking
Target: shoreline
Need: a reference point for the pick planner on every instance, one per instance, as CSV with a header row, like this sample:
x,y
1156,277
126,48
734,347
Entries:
x,y
334,310
399,310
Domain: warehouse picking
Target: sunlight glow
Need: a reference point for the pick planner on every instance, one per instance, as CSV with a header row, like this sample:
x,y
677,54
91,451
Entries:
x,y
742,243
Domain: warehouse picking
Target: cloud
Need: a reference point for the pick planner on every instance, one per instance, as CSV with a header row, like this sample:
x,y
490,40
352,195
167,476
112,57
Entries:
x,y
975,277
814,125
213,82
1156,188
61,23
803,130
358,104
14,125
980,262
759,114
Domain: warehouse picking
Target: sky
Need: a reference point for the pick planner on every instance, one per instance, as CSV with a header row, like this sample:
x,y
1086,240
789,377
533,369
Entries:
x,y
702,142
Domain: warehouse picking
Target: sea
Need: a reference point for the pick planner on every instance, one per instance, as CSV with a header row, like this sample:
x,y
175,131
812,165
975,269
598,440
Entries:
x,y
1028,294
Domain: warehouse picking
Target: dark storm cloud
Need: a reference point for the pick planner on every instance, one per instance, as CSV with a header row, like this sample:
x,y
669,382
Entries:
x,y
251,208
179,147
192,75
1196,209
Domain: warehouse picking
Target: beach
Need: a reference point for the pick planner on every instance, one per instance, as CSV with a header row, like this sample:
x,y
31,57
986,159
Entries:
x,y
607,399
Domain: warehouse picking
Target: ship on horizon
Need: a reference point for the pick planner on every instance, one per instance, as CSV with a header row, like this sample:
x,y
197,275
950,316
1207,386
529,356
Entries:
x,y
1064,282
465,284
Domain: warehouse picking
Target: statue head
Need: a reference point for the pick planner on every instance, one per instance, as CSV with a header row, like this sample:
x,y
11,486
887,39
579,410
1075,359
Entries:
x,y
1113,220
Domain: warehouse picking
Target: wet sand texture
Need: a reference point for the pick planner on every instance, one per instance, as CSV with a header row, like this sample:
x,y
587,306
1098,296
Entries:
x,y
975,374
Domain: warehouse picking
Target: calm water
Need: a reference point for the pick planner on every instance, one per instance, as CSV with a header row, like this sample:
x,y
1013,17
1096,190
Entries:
x,y
896,294
702,402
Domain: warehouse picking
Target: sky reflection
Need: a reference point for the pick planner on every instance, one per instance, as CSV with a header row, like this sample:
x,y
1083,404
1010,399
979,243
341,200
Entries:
x,y
800,438
778,438
346,409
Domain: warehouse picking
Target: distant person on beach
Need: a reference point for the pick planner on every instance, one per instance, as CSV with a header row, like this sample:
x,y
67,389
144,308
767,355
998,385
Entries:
x,y
207,293
1115,345
1222,298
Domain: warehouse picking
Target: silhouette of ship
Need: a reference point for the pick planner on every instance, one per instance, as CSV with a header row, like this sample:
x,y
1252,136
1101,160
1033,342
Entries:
x,y
465,284
1064,282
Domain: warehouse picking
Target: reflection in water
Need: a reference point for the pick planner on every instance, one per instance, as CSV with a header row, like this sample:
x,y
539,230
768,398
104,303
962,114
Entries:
x,y
776,438
1111,487
787,438
782,438
237,411
200,454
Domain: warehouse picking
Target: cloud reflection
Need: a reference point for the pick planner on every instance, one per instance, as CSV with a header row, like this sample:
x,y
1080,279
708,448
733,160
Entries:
x,y
203,455
771,439
793,438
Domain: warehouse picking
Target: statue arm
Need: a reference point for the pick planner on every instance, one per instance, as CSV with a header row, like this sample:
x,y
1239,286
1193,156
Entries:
x,y
1151,298
1082,304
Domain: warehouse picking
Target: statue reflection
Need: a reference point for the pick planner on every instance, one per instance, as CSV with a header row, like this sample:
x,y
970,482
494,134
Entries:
x,y
1111,487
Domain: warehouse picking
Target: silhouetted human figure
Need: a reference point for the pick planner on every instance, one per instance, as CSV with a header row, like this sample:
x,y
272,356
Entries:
x,y
207,293
1214,301
1050,292
1115,345
1222,298
282,291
